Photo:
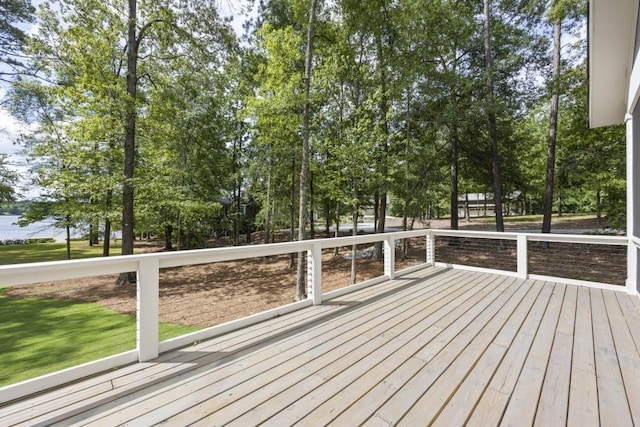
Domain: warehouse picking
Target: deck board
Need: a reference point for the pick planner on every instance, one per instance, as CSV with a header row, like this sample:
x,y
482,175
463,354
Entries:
x,y
628,356
275,362
355,368
435,360
612,400
405,347
194,390
495,398
523,403
583,390
348,355
436,345
463,402
384,376
431,402
554,398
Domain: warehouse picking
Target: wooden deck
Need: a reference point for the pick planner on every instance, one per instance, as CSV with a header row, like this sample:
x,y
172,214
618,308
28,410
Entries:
x,y
438,346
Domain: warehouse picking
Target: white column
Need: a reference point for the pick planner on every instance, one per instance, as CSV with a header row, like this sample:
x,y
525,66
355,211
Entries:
x,y
314,274
523,258
389,257
147,308
632,221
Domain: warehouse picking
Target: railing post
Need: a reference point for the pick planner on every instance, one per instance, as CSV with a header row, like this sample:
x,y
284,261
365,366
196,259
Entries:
x,y
431,248
148,279
314,274
523,257
633,249
390,257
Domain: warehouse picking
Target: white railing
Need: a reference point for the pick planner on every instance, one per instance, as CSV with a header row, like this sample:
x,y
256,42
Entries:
x,y
148,267
522,256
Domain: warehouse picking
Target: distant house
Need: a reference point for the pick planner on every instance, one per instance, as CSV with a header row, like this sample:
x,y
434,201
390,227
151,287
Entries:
x,y
475,205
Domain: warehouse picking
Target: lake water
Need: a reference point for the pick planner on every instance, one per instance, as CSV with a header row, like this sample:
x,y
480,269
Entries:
x,y
9,229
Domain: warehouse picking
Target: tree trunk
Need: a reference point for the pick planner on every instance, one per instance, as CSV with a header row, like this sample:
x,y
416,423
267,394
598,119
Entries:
x,y
467,215
493,131
327,217
336,232
485,204
560,202
179,233
94,234
454,179
553,129
384,167
168,235
376,204
598,207
237,146
292,210
301,289
267,210
312,228
106,243
354,232
129,141
68,229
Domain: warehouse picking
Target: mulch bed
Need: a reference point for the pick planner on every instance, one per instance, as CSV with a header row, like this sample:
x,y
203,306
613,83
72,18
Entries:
x,y
209,294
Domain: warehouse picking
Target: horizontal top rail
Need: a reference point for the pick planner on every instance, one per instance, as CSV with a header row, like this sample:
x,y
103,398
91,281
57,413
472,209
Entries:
x,y
370,238
61,270
536,237
476,234
21,274
578,238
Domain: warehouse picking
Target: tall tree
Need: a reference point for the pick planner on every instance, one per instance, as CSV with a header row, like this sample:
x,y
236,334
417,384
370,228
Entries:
x,y
85,48
301,292
491,117
275,108
559,9
133,43
553,128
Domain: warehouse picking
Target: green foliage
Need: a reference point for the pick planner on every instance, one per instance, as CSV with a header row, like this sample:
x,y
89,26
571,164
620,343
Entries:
x,y
219,122
40,252
12,36
8,181
183,118
591,161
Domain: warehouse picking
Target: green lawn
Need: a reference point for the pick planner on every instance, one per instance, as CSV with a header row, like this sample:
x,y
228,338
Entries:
x,y
36,252
40,336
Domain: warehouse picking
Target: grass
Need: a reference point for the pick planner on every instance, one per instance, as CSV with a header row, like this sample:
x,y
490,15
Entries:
x,y
41,336
37,252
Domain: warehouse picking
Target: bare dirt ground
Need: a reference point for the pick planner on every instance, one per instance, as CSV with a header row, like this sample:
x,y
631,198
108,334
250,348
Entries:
x,y
210,294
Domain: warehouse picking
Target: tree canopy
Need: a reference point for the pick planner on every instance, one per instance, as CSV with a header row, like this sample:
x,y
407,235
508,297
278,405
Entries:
x,y
157,118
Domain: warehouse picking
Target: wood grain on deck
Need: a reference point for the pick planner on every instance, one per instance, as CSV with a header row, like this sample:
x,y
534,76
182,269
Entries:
x,y
438,346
